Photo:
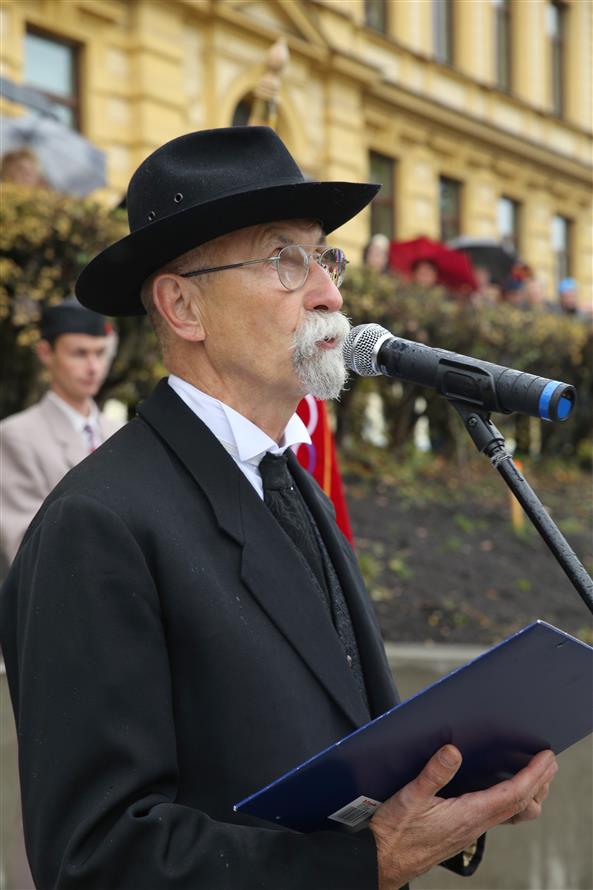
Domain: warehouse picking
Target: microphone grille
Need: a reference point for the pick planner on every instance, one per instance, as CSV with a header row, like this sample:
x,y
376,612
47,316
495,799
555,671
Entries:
x,y
359,349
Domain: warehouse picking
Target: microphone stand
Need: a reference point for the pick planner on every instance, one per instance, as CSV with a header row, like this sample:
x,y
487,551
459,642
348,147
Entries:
x,y
489,440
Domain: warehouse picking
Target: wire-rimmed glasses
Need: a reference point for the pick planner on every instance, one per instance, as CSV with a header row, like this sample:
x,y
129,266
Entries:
x,y
292,264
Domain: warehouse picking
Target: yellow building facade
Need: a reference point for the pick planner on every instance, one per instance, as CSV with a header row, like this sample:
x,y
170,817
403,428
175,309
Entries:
x,y
459,104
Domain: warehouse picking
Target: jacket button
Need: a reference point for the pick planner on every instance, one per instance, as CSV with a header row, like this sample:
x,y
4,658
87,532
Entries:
x,y
349,660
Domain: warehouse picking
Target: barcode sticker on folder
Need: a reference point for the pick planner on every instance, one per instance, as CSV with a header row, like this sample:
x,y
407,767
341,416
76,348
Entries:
x,y
356,812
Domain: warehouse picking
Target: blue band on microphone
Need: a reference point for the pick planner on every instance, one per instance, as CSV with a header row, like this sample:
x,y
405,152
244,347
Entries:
x,y
546,398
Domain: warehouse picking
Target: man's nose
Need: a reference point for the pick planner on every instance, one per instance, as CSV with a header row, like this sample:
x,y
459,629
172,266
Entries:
x,y
322,293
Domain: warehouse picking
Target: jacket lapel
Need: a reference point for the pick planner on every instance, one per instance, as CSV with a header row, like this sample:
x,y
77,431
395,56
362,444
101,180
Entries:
x,y
270,568
283,588
69,442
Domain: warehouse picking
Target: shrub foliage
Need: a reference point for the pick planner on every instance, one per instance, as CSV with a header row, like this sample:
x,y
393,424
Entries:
x,y
45,240
536,340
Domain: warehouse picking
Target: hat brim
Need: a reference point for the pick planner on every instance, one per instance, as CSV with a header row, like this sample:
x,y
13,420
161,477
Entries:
x,y
112,281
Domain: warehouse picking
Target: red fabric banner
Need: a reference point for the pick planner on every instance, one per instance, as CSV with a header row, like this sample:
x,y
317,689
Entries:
x,y
320,458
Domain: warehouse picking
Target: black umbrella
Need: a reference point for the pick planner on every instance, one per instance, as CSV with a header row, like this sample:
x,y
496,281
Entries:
x,y
489,254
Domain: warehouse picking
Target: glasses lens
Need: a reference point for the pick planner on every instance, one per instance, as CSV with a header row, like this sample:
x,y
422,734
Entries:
x,y
333,261
292,266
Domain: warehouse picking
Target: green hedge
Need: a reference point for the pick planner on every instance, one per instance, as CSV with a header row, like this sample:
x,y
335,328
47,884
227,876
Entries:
x,y
46,238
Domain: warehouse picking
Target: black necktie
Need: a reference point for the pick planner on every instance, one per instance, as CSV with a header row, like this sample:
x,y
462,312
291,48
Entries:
x,y
286,504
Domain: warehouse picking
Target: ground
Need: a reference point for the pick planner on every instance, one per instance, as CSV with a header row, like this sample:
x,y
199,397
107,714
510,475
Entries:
x,y
443,561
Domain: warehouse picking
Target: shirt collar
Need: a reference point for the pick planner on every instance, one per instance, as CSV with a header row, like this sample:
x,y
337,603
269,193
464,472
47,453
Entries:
x,y
242,439
78,420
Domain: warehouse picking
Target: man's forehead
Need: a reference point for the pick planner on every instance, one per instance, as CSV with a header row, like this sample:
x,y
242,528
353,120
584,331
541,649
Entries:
x,y
288,231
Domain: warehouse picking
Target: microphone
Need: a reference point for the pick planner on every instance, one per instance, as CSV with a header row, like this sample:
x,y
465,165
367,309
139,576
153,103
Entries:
x,y
370,350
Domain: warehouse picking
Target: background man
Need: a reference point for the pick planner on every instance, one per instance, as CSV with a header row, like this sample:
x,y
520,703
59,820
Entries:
x,y
184,621
22,167
39,445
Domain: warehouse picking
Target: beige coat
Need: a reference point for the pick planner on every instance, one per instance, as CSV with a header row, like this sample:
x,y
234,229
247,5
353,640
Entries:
x,y
37,447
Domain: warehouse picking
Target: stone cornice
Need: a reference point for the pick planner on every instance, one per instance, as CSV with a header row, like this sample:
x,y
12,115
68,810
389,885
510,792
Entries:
x,y
481,131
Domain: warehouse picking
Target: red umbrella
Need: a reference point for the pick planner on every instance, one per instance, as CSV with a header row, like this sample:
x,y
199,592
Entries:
x,y
454,269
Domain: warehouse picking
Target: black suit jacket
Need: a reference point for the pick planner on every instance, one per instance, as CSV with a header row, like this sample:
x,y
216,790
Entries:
x,y
167,656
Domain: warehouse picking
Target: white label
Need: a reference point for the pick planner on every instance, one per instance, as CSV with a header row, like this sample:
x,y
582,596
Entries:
x,y
355,813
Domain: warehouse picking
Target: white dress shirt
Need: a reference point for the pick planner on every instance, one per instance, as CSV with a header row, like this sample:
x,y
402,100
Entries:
x,y
88,427
244,441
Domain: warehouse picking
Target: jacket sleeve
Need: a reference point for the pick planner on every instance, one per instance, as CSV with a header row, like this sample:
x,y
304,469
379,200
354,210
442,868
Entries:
x,y
94,713
23,488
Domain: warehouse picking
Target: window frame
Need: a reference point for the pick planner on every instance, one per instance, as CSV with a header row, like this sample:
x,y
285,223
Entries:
x,y
447,56
563,267
384,5
503,53
557,45
383,201
517,217
73,103
443,179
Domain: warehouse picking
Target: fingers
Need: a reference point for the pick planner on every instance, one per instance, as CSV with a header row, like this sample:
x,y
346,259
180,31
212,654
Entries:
x,y
437,773
541,795
534,807
531,811
517,796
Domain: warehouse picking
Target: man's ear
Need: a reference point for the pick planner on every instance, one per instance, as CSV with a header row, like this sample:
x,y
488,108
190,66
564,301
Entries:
x,y
44,352
176,300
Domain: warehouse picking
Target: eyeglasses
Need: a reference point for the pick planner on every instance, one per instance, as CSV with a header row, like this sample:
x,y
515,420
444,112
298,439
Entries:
x,y
292,265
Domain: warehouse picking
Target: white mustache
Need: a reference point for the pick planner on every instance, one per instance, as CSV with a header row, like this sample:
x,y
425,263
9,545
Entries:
x,y
319,325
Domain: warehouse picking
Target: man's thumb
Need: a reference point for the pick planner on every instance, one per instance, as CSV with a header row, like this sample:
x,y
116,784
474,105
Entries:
x,y
438,772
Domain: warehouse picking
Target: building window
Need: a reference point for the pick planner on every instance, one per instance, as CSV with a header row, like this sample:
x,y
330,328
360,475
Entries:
x,y
242,112
375,15
561,232
382,170
556,22
51,66
508,213
502,36
449,208
442,26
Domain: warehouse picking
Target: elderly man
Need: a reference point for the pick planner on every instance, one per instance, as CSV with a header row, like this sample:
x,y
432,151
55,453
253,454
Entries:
x,y
39,445
184,621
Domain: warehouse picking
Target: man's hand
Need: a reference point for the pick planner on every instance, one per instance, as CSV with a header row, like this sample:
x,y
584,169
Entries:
x,y
415,829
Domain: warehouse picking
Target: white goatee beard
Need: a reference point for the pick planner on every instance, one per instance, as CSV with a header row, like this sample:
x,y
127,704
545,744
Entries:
x,y
322,372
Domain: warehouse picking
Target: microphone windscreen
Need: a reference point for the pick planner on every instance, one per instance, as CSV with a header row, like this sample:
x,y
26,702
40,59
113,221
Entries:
x,y
360,349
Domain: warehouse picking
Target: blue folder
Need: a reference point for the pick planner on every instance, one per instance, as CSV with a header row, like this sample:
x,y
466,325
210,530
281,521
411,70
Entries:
x,y
532,691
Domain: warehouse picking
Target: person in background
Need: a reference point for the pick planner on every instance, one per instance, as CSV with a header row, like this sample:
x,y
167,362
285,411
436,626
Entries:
x,y
184,621
568,297
376,253
513,293
424,274
534,293
22,167
40,444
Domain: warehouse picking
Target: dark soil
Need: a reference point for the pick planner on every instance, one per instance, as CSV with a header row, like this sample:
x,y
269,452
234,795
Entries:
x,y
442,559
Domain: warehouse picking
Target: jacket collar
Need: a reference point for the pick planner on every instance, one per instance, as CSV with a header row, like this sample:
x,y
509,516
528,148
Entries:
x,y
63,431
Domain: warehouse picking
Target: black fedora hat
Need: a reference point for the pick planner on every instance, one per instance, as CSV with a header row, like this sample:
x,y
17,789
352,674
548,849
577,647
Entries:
x,y
198,187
